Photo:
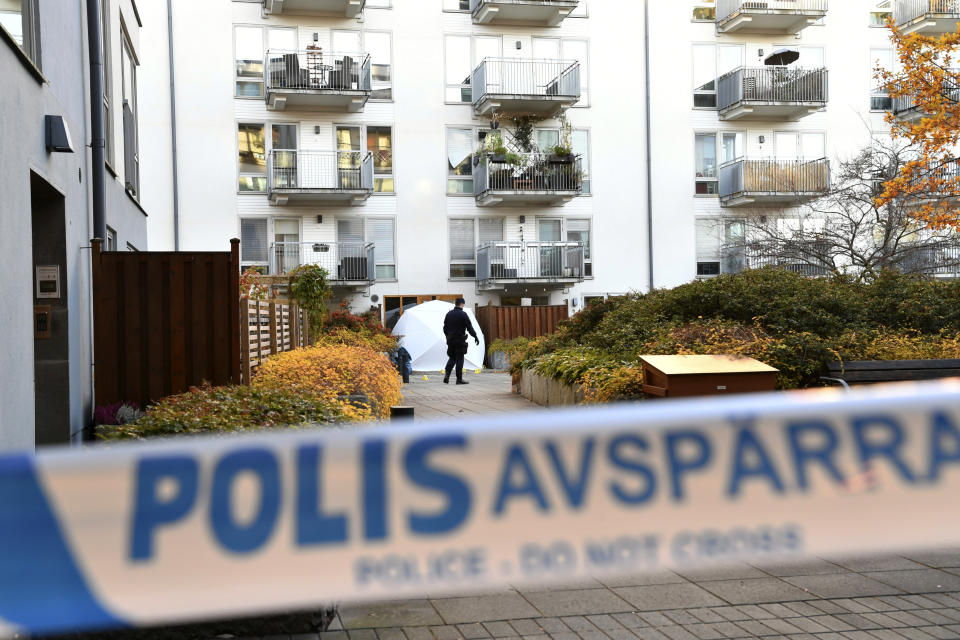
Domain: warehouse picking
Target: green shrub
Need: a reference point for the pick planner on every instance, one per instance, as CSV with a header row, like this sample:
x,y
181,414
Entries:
x,y
225,409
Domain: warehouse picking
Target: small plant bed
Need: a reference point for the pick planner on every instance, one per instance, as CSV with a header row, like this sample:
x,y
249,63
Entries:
x,y
798,325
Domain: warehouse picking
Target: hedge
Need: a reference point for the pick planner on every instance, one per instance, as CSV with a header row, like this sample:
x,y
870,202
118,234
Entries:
x,y
793,323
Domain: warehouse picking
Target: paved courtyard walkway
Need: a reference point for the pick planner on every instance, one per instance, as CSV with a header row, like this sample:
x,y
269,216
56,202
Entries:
x,y
914,596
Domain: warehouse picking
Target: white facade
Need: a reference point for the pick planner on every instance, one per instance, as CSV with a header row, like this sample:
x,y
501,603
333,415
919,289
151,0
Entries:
x,y
420,40
690,228
420,213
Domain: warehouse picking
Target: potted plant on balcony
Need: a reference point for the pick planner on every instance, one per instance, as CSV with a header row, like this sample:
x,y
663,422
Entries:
x,y
562,153
494,148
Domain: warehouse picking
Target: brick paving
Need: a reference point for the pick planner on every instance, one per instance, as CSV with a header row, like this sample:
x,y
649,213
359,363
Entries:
x,y
913,596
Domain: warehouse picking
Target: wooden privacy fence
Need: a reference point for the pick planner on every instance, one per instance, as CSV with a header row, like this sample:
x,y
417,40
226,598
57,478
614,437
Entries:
x,y
164,322
272,326
507,323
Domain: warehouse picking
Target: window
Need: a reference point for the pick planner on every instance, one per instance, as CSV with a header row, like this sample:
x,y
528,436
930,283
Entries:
x,y
706,163
105,51
579,145
704,11
252,157
709,62
731,147
881,13
463,54
799,145
379,46
111,240
20,19
131,127
380,143
557,49
460,160
462,249
580,11
879,99
251,44
379,231
253,242
579,231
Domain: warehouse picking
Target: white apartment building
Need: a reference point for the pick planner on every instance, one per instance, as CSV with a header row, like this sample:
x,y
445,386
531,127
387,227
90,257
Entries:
x,y
365,135
347,132
735,137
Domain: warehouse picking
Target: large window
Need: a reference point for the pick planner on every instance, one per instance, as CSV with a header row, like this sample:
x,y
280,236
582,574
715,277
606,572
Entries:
x,y
704,10
253,242
131,126
381,232
463,246
460,147
463,54
252,159
20,18
251,45
378,45
879,99
567,49
799,145
709,62
106,52
579,144
380,143
706,163
880,13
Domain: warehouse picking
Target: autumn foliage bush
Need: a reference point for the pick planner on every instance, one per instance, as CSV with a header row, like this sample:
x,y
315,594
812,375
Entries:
x,y
332,371
796,324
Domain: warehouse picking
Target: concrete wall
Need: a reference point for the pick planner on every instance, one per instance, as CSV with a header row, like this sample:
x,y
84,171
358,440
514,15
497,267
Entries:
x,y
548,392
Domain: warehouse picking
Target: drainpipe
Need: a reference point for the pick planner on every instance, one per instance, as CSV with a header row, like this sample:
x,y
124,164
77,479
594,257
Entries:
x,y
173,132
646,65
97,141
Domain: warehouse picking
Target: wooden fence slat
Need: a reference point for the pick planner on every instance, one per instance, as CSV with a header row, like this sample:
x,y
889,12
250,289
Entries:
x,y
273,328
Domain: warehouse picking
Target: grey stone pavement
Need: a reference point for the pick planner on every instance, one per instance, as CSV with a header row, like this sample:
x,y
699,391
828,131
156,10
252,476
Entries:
x,y
913,595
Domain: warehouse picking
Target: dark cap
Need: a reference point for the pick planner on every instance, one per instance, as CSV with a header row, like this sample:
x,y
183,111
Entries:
x,y
460,301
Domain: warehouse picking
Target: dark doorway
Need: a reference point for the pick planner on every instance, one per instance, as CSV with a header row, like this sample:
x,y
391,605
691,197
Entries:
x,y
51,349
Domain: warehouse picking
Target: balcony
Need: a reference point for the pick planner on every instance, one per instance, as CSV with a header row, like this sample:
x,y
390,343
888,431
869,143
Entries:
x,y
936,262
771,93
319,177
501,265
926,17
905,108
532,178
741,258
542,87
768,16
772,182
312,79
345,8
348,264
542,13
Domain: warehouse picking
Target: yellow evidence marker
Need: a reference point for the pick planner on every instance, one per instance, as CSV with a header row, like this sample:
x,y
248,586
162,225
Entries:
x,y
426,377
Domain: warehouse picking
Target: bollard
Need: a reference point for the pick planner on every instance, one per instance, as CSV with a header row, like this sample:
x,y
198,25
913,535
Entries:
x,y
401,413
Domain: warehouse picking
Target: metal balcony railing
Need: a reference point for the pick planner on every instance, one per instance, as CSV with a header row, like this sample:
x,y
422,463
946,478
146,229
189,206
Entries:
x,y
343,261
741,258
934,261
552,261
906,11
951,91
772,85
529,172
728,8
518,77
320,171
775,177
317,70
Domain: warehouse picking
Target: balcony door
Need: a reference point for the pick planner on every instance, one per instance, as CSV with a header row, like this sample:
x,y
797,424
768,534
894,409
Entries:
x,y
286,248
283,142
549,233
351,257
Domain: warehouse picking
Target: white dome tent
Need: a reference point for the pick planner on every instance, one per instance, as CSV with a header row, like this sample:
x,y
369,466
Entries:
x,y
420,330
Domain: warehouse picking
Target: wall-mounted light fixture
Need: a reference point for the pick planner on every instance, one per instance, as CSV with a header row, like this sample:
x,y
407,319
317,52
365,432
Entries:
x,y
762,139
523,219
316,129
316,37
319,219
519,45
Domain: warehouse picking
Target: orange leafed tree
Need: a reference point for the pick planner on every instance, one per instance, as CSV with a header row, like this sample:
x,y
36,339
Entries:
x,y
927,81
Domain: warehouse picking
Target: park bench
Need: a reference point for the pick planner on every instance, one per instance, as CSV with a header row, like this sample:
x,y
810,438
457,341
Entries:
x,y
871,371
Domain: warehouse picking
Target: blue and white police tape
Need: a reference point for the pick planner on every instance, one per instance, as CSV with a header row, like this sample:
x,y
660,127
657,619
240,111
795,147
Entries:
x,y
200,528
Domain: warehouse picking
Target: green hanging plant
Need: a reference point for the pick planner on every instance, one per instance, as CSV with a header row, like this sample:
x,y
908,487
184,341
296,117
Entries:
x,y
310,287
523,131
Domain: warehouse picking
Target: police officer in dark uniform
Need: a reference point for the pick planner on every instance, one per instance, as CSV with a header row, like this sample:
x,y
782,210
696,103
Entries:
x,y
456,324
